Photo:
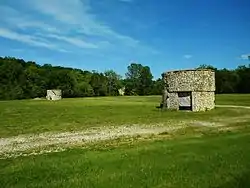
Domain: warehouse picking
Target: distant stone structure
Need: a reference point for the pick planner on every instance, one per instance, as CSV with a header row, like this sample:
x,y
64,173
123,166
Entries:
x,y
189,90
54,94
121,91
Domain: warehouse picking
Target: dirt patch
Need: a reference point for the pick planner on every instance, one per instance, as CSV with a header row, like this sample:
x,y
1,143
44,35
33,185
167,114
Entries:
x,y
207,124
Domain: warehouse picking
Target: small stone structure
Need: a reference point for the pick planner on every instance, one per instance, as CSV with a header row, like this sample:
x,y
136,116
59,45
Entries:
x,y
54,94
189,89
121,91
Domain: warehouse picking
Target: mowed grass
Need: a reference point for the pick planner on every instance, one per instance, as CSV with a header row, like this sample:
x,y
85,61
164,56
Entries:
x,y
220,160
189,158
34,116
233,99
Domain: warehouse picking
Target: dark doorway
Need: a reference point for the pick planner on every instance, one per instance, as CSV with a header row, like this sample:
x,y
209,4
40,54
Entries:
x,y
184,99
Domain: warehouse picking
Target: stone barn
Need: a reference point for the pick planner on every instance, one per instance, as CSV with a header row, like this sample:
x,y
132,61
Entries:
x,y
54,94
189,90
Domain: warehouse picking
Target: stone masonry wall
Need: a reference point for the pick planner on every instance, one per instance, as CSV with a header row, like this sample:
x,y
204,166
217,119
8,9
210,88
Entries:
x,y
173,103
201,83
203,101
190,80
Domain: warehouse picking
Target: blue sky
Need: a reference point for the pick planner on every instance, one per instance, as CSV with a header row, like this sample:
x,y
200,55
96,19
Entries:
x,y
110,34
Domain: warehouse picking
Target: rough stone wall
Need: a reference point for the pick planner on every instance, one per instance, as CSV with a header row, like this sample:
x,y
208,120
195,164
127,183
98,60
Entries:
x,y
173,102
54,94
190,80
200,82
203,101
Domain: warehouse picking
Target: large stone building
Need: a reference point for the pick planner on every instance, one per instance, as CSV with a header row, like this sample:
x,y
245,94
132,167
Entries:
x,y
189,89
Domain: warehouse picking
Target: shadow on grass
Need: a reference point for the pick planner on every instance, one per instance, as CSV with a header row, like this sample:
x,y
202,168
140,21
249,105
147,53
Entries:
x,y
238,182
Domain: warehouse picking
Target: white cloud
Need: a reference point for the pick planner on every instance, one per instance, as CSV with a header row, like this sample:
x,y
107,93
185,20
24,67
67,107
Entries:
x,y
31,40
17,20
74,41
79,17
70,22
245,56
187,56
26,24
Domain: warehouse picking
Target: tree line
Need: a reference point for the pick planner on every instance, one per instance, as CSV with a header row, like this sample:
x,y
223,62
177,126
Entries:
x,y
231,81
22,80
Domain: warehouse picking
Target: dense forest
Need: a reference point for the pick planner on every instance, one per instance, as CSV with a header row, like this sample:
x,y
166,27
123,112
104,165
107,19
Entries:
x,y
22,80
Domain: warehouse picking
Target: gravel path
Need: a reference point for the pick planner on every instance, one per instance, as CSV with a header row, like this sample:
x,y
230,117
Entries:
x,y
232,106
23,143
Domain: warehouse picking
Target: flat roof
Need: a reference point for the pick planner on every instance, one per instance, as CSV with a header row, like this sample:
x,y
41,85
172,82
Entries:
x,y
184,70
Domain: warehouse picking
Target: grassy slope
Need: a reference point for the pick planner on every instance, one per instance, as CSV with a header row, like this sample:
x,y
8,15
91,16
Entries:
x,y
31,116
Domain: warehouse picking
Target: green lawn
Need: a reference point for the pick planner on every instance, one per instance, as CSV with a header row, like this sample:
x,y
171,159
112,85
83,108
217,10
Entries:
x,y
233,99
32,116
192,157
210,161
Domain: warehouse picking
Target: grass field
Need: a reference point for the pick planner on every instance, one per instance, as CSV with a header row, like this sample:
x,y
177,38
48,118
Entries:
x,y
32,116
211,149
